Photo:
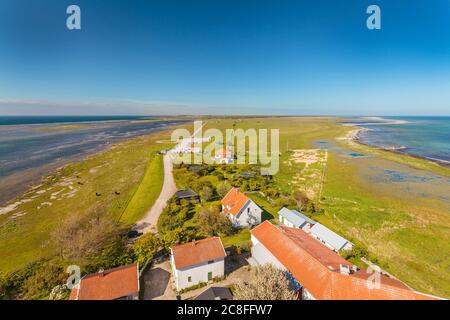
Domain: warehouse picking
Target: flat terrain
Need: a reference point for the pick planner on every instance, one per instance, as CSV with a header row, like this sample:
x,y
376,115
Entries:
x,y
397,206
122,182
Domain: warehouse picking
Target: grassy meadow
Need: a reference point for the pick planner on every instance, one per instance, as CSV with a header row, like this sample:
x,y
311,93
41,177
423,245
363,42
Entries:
x,y
121,182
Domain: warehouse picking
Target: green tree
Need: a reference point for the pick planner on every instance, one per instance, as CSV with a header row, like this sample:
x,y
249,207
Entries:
x,y
178,236
223,188
46,277
146,247
212,222
207,193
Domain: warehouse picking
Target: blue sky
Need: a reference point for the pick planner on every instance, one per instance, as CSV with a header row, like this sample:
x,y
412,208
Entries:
x,y
224,57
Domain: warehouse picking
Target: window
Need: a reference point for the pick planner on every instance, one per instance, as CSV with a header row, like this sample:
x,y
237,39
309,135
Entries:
x,y
210,261
209,276
189,279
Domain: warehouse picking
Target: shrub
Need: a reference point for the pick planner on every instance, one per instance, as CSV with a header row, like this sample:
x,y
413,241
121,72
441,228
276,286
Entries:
x,y
212,222
207,193
223,188
146,247
46,277
265,283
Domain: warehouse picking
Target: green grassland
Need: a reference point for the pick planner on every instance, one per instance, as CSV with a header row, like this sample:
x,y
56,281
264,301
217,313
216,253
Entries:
x,y
405,226
121,182
146,193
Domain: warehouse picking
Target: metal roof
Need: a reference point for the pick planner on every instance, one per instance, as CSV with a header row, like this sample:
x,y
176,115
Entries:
x,y
295,217
188,193
325,234
215,293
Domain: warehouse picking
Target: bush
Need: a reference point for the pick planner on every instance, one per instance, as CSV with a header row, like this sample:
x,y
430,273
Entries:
x,y
265,283
357,252
46,277
34,281
207,193
223,188
94,239
146,247
178,236
212,222
174,215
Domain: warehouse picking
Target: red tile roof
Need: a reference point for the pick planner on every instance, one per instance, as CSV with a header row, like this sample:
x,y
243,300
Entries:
x,y
108,285
234,201
223,153
197,252
317,268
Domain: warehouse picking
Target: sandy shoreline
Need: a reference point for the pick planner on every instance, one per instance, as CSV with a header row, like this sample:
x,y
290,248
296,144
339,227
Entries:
x,y
15,185
353,137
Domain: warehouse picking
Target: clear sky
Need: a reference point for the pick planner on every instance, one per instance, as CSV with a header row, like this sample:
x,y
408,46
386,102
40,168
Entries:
x,y
224,57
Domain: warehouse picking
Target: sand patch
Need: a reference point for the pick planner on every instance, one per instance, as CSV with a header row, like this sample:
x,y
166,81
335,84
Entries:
x,y
310,178
9,208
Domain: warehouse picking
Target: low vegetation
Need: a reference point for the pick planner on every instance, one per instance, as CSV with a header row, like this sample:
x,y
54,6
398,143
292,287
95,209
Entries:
x,y
265,283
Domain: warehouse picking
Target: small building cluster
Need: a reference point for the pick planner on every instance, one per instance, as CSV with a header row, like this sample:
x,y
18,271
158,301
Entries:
x,y
304,248
224,156
295,219
321,272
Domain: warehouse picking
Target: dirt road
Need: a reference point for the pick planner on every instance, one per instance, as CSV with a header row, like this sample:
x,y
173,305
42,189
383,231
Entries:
x,y
148,223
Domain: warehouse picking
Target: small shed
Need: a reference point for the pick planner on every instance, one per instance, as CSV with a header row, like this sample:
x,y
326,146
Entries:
x,y
331,239
188,194
295,219
215,293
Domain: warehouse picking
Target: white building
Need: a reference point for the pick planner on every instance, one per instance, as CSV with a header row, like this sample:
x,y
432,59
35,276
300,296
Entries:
x,y
197,261
329,238
295,219
321,273
224,156
240,209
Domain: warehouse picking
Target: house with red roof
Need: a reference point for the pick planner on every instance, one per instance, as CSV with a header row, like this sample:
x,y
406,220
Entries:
x,y
240,209
120,283
321,273
197,261
224,156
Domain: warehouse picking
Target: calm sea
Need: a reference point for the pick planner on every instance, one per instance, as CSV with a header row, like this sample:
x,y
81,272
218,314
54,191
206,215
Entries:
x,y
27,151
15,120
427,137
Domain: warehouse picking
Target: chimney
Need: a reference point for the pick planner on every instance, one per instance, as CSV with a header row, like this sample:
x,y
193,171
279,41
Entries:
x,y
344,269
194,243
101,273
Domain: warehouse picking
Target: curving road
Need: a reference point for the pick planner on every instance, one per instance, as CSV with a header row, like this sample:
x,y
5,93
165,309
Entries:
x,y
148,223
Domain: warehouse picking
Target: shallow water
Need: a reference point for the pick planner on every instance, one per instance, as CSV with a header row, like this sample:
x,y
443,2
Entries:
x,y
27,154
23,147
427,137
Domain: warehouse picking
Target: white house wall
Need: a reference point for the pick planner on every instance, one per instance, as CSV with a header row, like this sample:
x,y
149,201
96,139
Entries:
x,y
198,274
243,216
264,256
